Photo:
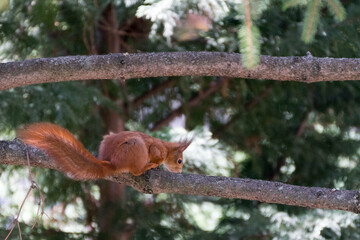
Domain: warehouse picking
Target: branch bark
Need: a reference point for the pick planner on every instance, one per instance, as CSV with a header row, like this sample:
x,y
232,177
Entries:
x,y
140,65
156,181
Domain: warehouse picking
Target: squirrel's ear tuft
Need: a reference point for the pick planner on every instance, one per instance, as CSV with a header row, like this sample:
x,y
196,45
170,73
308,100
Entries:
x,y
184,144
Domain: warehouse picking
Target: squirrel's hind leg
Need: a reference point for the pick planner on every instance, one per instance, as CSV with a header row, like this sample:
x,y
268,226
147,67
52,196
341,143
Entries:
x,y
146,167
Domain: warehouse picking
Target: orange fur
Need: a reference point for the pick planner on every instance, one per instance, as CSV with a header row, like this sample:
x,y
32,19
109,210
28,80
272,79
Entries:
x,y
127,151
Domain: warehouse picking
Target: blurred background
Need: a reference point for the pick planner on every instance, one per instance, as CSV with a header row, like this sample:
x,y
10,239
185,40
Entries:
x,y
303,134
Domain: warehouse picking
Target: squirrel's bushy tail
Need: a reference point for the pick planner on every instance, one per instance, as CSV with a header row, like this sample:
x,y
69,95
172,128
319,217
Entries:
x,y
69,154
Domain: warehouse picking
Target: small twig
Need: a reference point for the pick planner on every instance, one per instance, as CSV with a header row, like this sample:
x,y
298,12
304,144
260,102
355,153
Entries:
x,y
120,32
85,41
19,230
16,220
37,215
92,41
43,204
46,215
155,90
247,107
34,185
10,230
41,201
28,162
193,102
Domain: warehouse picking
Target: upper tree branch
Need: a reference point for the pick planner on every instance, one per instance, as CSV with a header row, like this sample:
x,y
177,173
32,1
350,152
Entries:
x,y
155,181
124,66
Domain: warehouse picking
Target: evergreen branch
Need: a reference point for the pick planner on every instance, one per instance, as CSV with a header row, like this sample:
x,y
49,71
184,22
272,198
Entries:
x,y
337,9
311,20
250,46
293,3
248,43
143,65
155,181
41,201
249,37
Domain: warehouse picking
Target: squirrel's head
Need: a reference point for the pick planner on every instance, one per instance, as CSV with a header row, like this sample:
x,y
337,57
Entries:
x,y
174,160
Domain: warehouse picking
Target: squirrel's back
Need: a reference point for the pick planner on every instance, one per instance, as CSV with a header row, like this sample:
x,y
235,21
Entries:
x,y
127,151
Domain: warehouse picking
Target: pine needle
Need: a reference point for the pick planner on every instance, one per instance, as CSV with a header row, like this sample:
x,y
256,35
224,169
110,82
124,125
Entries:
x,y
311,20
337,9
249,36
293,3
249,46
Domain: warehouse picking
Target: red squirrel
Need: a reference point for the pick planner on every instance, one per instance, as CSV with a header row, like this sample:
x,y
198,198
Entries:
x,y
127,151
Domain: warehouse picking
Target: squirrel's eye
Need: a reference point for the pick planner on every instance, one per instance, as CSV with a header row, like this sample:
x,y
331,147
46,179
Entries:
x,y
179,161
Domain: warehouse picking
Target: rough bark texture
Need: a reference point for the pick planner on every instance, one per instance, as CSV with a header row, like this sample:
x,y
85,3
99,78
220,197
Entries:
x,y
140,65
156,181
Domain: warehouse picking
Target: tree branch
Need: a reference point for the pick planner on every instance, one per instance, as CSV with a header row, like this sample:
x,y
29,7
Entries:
x,y
124,66
155,90
194,101
155,181
247,107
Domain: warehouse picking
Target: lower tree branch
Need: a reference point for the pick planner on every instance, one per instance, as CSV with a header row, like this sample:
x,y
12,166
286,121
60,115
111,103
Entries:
x,y
140,65
156,181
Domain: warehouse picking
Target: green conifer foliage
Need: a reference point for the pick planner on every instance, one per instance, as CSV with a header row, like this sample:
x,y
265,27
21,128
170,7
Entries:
x,y
337,9
248,33
311,20
312,14
292,3
249,45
